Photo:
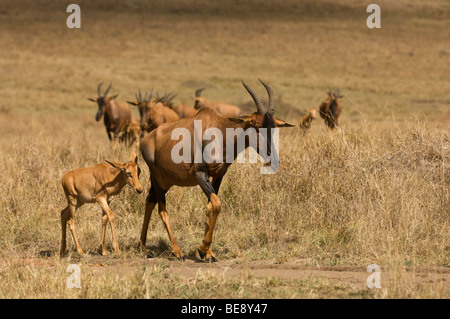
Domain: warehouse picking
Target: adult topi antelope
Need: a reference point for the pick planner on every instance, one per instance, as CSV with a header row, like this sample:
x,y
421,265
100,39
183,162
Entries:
x,y
330,109
226,110
98,184
116,115
157,146
152,113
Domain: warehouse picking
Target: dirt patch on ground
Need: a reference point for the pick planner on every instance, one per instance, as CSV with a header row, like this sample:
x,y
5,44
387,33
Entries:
x,y
356,275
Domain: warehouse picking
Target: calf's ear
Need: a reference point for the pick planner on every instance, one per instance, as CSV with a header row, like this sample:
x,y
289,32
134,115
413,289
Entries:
x,y
115,165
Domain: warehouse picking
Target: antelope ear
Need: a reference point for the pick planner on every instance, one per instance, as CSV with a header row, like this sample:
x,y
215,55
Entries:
x,y
133,103
114,96
92,99
239,119
134,157
281,123
115,165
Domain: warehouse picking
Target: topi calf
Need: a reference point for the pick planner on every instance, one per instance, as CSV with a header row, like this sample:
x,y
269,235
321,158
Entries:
x,y
98,184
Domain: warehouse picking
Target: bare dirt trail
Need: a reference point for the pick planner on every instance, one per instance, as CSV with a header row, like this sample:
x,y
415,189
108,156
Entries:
x,y
354,275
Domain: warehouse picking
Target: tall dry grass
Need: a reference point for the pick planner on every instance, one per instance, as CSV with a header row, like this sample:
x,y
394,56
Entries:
x,y
363,194
376,191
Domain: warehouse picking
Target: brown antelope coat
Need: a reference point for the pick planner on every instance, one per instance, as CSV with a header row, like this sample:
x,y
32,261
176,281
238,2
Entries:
x,y
152,113
116,115
98,184
226,110
330,110
156,148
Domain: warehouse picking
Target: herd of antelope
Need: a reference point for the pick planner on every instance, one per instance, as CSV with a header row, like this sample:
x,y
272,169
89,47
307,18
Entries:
x,y
159,117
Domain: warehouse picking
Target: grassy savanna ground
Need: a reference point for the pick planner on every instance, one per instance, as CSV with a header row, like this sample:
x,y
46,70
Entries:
x,y
375,191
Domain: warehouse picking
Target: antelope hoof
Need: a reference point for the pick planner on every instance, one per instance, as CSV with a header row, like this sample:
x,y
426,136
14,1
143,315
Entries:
x,y
102,250
211,260
201,254
182,258
208,257
142,247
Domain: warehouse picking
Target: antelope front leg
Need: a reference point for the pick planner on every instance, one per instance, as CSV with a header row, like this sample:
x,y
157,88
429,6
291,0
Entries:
x,y
149,206
110,215
212,211
165,218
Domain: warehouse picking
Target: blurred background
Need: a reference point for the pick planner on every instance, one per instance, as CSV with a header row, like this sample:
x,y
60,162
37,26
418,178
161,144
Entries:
x,y
301,48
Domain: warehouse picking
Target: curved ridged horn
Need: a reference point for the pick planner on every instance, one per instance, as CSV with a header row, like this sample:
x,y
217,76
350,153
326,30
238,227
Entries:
x,y
199,92
256,99
271,96
140,95
107,90
171,97
98,89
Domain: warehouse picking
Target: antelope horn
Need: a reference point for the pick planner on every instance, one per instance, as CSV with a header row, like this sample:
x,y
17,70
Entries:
x,y
199,92
140,95
256,99
271,96
107,90
150,97
98,89
171,97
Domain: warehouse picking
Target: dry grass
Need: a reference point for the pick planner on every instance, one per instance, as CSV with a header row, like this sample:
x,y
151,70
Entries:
x,y
376,191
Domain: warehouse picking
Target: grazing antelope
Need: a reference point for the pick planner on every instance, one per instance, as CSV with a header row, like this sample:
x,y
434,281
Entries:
x,y
116,115
98,184
330,110
153,113
226,110
156,149
305,120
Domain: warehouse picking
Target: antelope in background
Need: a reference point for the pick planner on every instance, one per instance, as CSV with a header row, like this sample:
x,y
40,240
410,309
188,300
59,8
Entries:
x,y
153,113
131,134
330,110
98,184
181,109
306,120
116,115
226,110
156,148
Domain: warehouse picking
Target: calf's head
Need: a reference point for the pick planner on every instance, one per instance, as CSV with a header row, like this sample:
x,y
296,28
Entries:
x,y
129,172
